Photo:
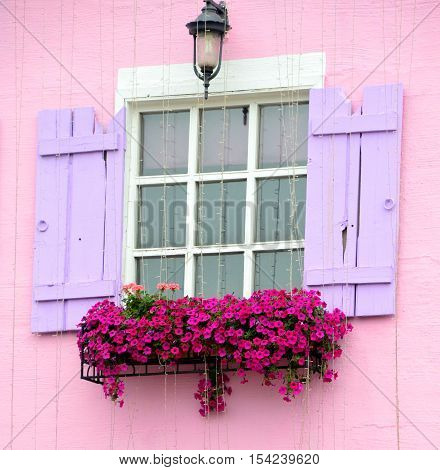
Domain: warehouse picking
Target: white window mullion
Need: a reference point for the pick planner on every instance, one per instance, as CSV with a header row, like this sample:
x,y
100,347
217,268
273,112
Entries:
x,y
279,246
249,235
191,215
132,196
281,172
158,252
248,268
160,180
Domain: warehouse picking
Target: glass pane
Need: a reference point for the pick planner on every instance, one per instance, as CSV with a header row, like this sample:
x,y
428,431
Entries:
x,y
162,216
277,218
278,269
165,143
217,275
221,213
283,135
223,139
151,271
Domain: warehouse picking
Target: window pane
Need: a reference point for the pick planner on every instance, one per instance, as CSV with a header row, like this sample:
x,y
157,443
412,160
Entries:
x,y
278,269
217,275
162,216
165,143
223,136
283,135
150,271
221,213
277,218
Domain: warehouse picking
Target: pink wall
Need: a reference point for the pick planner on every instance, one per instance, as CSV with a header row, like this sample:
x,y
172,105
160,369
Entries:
x,y
399,354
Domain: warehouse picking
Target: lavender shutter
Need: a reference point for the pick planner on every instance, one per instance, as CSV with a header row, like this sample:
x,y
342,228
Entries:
x,y
353,198
79,197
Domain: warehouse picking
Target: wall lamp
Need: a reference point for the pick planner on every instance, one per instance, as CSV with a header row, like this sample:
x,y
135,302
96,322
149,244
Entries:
x,y
208,31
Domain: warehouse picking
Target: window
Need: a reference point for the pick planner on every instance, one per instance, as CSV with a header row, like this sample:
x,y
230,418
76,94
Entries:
x,y
219,194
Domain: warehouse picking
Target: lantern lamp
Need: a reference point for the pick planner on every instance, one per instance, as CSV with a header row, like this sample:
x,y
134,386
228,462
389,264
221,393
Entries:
x,y
208,31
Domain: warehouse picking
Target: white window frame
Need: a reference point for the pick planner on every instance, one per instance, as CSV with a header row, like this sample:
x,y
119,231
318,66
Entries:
x,y
250,82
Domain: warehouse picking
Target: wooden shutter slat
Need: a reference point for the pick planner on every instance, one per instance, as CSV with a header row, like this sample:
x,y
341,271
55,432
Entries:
x,y
350,255
87,205
87,143
51,220
350,276
87,212
79,290
326,190
379,200
356,124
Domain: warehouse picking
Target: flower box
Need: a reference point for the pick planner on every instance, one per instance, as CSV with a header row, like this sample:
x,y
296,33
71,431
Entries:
x,y
284,336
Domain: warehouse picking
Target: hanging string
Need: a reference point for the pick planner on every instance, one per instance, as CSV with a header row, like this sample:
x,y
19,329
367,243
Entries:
x,y
175,409
332,206
166,402
350,295
226,128
307,394
294,215
295,220
99,128
293,107
412,44
59,327
284,154
199,234
200,198
395,272
292,101
133,200
386,98
117,266
165,151
18,99
134,93
207,410
165,131
222,214
35,393
36,335
112,424
132,408
281,146
202,241
392,231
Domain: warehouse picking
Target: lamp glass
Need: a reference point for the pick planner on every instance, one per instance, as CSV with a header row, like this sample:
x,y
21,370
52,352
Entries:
x,y
208,49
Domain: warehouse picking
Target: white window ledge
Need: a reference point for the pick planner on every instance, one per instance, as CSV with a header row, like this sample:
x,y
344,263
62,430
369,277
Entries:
x,y
300,71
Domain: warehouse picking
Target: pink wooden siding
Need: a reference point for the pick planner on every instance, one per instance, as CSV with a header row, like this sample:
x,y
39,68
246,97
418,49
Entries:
x,y
391,358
